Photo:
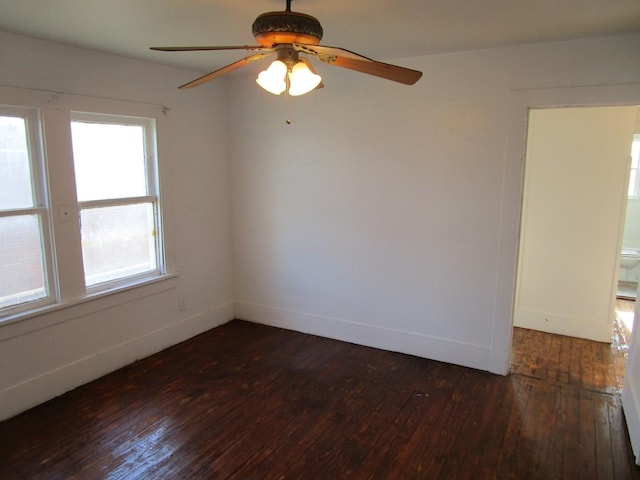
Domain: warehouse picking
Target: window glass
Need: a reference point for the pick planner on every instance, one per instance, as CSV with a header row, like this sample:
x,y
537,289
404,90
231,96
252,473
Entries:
x,y
633,182
21,260
118,241
635,163
109,160
15,171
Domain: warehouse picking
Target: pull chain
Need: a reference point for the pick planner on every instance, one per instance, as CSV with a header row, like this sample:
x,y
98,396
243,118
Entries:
x,y
288,119
286,101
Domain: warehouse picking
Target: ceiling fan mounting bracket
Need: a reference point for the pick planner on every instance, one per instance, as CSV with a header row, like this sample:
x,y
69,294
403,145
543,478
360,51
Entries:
x,y
273,28
287,54
323,57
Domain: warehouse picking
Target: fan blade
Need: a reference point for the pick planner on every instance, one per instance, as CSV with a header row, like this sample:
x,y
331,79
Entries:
x,y
324,51
379,69
204,47
353,61
221,71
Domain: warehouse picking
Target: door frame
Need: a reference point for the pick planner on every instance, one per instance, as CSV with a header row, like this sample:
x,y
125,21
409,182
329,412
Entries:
x,y
520,101
599,330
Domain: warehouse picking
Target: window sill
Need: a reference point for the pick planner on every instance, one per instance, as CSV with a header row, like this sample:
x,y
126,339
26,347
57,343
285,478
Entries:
x,y
43,317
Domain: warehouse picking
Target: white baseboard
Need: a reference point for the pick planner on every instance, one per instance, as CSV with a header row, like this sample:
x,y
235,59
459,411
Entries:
x,y
36,390
550,322
412,343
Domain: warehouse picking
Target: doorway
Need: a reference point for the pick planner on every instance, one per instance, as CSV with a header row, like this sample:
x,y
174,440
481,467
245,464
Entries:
x,y
521,103
574,202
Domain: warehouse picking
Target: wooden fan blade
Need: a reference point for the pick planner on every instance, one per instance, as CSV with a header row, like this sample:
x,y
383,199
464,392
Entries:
x,y
324,51
204,47
221,71
353,61
380,69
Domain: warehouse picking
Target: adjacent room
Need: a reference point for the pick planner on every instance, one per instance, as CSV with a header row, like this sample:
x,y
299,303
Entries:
x,y
219,281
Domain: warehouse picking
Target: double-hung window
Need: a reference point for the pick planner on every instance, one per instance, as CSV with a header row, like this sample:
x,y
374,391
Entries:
x,y
117,192
25,261
79,192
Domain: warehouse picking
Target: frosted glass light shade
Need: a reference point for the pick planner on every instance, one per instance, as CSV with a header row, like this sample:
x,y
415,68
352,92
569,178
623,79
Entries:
x,y
273,78
302,79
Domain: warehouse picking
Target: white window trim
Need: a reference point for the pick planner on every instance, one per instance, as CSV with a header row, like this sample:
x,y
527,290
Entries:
x,y
153,192
54,108
39,185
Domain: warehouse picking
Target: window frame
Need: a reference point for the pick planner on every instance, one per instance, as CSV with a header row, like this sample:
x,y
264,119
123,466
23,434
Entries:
x,y
152,193
67,290
634,172
40,207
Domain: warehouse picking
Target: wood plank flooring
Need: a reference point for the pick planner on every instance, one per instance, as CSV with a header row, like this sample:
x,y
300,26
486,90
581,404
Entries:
x,y
245,401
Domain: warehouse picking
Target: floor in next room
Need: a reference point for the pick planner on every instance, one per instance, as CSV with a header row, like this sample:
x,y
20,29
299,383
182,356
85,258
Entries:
x,y
592,365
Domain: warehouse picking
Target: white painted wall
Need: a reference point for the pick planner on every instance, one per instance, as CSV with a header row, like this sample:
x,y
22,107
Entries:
x,y
388,215
575,190
49,354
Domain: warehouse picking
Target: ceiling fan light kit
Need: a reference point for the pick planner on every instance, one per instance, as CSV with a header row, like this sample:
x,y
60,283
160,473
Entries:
x,y
273,78
287,34
288,73
302,79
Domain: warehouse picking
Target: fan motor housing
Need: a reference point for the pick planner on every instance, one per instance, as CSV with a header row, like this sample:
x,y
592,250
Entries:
x,y
274,28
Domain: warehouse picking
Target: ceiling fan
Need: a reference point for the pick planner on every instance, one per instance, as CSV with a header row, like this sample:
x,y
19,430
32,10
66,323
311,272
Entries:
x,y
288,34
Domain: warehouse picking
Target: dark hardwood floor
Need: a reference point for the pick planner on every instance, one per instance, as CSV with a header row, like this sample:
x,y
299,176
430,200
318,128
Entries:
x,y
245,401
594,366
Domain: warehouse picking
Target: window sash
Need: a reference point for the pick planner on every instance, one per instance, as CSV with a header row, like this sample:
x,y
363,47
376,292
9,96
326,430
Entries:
x,y
107,261
30,287
152,197
150,142
38,209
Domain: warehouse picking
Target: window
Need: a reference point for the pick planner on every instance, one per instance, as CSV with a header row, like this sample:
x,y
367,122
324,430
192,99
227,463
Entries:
x,y
634,180
79,203
24,256
114,163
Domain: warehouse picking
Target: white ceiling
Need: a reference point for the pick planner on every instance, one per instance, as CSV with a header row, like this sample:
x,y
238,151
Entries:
x,y
381,29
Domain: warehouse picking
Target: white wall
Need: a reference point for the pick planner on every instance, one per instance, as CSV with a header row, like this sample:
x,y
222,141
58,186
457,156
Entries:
x,y
388,215
46,355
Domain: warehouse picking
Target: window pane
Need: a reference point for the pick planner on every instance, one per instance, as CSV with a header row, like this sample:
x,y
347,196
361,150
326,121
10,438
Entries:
x,y
21,261
109,160
15,174
635,151
118,242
